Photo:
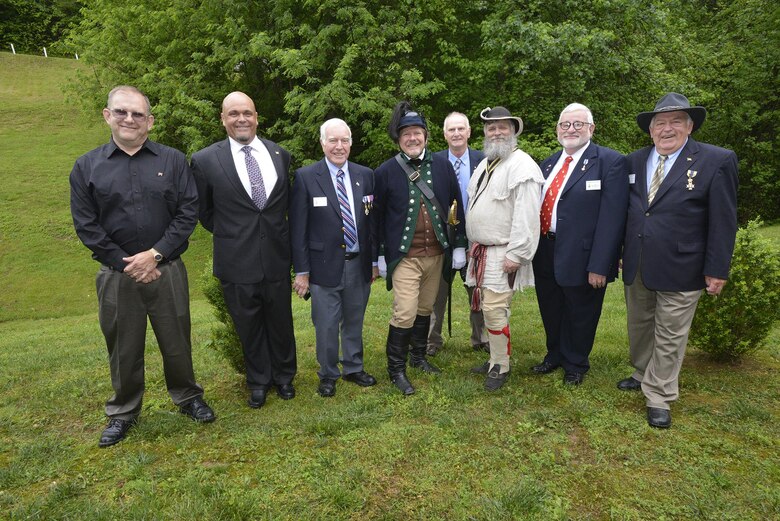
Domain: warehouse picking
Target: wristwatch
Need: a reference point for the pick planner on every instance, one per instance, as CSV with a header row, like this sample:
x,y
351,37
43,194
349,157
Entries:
x,y
157,255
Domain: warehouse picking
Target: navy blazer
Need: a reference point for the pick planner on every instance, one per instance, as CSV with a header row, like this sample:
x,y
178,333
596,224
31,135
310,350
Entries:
x,y
391,204
316,230
250,245
690,228
591,215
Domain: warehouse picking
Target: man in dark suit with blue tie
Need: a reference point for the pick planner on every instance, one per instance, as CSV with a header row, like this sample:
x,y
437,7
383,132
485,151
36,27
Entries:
x,y
330,207
584,202
244,191
464,159
680,233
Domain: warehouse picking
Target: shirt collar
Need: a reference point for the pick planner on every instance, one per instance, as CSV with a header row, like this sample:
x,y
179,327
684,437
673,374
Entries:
x,y
236,147
149,145
334,170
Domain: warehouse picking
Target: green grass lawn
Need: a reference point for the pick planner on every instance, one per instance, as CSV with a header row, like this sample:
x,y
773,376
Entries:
x,y
534,450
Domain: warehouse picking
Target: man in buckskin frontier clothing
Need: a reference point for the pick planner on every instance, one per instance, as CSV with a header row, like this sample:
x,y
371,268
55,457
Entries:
x,y
412,194
503,228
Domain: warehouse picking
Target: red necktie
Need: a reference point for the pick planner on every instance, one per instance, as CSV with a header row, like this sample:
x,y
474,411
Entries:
x,y
552,192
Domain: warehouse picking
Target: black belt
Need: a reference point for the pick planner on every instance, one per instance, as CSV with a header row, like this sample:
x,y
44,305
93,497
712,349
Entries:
x,y
549,235
351,255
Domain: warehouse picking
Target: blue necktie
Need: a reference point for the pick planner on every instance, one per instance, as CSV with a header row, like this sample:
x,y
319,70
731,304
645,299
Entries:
x,y
255,178
350,232
456,166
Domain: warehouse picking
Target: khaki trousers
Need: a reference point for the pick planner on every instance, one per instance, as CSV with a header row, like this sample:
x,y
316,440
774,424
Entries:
x,y
658,327
415,285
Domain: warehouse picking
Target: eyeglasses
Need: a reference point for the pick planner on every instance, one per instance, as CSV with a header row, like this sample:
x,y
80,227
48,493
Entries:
x,y
565,125
120,114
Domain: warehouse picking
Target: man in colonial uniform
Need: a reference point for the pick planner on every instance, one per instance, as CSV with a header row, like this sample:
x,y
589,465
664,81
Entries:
x,y
413,192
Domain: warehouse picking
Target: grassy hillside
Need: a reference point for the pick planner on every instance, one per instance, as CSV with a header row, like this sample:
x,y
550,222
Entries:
x,y
536,450
46,272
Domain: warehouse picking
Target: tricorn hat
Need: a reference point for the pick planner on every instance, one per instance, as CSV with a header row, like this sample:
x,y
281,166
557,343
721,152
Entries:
x,y
499,113
670,103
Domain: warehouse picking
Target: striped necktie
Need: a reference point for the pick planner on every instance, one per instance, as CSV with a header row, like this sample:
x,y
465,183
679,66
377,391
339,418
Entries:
x,y
658,176
350,231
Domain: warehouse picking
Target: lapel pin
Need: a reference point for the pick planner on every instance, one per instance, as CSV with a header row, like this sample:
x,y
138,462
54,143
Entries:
x,y
160,174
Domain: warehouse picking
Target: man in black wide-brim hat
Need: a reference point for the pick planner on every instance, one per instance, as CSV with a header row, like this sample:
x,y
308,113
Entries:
x,y
680,233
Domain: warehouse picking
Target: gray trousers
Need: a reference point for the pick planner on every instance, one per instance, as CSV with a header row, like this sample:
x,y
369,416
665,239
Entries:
x,y
124,306
658,327
478,331
340,309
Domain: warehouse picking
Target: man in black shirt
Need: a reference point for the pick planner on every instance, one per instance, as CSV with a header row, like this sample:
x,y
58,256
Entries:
x,y
134,204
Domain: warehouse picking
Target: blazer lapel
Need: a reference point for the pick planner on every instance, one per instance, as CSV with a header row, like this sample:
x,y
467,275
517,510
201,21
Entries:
x,y
281,173
326,185
225,158
586,162
640,173
548,165
357,194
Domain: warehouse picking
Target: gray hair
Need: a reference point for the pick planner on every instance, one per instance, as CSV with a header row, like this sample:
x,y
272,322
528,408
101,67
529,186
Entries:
x,y
652,120
456,114
329,123
572,107
129,88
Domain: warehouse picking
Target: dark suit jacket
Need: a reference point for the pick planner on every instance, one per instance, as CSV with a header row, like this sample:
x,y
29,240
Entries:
x,y
475,156
250,245
684,234
316,231
392,207
590,222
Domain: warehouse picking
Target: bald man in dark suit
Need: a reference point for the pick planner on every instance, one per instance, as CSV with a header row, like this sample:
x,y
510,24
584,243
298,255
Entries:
x,y
244,189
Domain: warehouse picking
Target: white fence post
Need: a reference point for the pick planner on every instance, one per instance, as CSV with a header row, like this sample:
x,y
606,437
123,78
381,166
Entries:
x,y
45,55
12,49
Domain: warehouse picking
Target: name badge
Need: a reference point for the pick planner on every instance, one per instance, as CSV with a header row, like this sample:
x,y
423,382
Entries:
x,y
319,201
631,179
594,184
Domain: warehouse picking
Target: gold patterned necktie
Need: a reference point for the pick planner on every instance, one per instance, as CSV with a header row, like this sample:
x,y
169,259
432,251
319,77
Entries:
x,y
658,176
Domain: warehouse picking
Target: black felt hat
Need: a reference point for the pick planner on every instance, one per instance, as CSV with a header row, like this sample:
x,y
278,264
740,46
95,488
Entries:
x,y
671,103
498,113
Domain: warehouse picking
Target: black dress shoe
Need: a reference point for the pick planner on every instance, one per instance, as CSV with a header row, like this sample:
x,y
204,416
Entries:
x,y
257,398
327,387
495,378
362,378
545,367
659,418
198,410
629,384
115,431
573,378
285,391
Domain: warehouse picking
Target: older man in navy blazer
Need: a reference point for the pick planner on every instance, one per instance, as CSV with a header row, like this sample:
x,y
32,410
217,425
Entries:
x,y
464,160
584,202
330,207
244,192
680,233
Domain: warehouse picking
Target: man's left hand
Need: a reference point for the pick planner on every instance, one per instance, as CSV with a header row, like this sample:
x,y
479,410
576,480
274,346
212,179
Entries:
x,y
301,284
714,286
596,280
510,266
458,258
141,266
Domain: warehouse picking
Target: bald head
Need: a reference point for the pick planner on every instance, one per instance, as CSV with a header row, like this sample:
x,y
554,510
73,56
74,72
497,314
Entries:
x,y
239,117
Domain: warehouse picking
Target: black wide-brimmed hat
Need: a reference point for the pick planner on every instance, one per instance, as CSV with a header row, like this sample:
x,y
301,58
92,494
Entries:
x,y
671,103
499,113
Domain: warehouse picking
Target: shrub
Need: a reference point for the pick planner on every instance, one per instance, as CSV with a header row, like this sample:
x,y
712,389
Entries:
x,y
223,336
738,321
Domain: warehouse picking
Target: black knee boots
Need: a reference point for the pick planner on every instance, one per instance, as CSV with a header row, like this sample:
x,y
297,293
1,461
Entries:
x,y
397,347
419,345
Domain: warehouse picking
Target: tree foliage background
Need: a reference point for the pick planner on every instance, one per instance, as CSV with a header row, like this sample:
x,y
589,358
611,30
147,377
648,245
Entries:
x,y
303,61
